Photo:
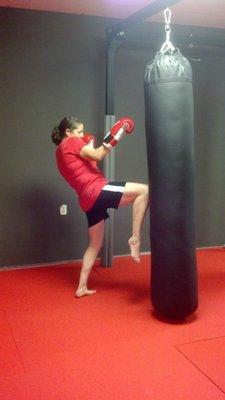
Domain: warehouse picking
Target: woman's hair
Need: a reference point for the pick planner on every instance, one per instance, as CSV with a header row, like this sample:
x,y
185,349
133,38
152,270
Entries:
x,y
58,132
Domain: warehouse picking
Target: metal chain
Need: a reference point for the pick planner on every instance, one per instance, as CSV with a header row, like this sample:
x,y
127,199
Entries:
x,y
167,45
167,15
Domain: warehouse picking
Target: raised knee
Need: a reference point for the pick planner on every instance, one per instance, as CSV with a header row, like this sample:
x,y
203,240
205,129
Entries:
x,y
145,190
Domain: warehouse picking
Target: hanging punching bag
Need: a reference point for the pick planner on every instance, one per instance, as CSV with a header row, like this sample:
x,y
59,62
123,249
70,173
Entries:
x,y
170,151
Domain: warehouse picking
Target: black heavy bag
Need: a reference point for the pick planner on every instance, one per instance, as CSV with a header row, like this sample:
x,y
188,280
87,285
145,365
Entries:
x,y
170,150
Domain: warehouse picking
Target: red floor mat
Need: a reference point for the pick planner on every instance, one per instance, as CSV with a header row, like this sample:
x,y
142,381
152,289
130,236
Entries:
x,y
10,361
208,356
110,345
132,374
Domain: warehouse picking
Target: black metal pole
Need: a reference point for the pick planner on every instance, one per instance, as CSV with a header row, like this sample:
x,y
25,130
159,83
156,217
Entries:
x,y
109,162
113,45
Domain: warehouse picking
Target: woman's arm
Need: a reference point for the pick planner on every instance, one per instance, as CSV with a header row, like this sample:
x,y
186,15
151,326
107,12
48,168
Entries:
x,y
124,125
89,153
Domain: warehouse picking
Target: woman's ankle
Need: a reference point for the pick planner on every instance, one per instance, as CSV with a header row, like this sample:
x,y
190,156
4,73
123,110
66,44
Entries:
x,y
134,239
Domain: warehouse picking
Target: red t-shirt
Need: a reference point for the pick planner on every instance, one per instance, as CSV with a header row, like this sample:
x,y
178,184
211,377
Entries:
x,y
82,175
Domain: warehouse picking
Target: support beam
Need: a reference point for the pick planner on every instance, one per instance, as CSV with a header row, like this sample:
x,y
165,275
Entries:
x,y
109,170
110,75
140,16
114,36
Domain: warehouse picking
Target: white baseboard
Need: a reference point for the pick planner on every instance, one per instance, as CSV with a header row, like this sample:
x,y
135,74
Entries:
x,y
78,261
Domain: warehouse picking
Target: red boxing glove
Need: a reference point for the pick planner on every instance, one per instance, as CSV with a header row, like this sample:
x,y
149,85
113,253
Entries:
x,y
88,138
124,125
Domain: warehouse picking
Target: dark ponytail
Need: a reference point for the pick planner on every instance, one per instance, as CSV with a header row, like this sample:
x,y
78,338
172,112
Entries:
x,y
57,136
59,132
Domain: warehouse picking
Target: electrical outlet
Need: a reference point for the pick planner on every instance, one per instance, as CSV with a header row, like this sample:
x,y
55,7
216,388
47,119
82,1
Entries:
x,y
63,209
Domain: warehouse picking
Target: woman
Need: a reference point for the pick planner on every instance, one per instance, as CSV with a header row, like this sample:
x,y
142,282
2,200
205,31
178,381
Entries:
x,y
77,162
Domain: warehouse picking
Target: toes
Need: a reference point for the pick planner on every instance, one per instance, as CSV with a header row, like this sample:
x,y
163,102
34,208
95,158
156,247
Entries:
x,y
135,249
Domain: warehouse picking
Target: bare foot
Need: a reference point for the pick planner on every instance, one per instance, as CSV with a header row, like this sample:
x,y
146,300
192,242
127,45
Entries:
x,y
84,292
134,243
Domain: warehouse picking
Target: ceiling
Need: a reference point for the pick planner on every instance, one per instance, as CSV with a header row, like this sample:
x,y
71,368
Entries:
x,y
210,13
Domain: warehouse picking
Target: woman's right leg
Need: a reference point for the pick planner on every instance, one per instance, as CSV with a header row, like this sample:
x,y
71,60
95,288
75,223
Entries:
x,y
96,235
136,193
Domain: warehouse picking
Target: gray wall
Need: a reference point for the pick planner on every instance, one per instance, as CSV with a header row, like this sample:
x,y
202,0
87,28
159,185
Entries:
x,y
54,65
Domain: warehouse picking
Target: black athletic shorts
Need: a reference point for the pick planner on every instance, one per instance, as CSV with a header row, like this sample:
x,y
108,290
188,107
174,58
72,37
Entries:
x,y
109,197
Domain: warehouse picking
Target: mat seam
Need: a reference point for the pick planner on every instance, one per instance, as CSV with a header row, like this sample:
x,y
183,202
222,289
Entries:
x,y
199,369
201,340
19,354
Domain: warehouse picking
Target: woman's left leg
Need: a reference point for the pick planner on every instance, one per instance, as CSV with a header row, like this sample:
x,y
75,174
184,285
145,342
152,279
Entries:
x,y
96,235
